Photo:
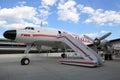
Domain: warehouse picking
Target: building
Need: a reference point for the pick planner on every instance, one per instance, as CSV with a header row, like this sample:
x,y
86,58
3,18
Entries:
x,y
9,46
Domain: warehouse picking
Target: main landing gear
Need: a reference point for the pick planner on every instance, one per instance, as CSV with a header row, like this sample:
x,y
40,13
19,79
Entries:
x,y
63,55
25,60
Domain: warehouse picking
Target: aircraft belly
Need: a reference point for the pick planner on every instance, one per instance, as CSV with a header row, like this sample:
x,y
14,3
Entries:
x,y
44,39
53,44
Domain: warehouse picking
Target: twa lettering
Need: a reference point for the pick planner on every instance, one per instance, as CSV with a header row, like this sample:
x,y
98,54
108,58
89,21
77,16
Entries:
x,y
25,35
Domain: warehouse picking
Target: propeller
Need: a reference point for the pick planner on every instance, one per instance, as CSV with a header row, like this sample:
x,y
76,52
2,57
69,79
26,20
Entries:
x,y
87,37
105,36
97,41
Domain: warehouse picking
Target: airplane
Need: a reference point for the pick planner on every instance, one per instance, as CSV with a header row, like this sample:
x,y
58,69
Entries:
x,y
54,38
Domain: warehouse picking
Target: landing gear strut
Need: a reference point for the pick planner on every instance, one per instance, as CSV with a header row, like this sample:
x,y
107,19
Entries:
x,y
25,60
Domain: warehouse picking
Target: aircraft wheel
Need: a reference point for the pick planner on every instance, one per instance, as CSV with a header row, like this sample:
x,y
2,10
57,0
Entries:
x,y
63,55
25,61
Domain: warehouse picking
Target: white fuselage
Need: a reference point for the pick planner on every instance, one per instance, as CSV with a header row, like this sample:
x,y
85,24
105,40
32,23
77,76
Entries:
x,y
43,34
55,39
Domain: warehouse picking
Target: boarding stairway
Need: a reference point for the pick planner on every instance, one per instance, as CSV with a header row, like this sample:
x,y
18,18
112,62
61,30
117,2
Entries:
x,y
90,57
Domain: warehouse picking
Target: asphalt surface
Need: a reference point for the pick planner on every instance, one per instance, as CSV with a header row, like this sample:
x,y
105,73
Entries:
x,y
48,68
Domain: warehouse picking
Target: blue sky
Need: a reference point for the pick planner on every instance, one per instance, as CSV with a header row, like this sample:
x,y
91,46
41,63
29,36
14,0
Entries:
x,y
91,17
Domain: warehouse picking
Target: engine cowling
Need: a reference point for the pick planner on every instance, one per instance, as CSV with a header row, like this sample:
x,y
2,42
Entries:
x,y
103,42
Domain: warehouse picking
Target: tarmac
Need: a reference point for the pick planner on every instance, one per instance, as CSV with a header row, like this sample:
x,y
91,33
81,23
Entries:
x,y
48,68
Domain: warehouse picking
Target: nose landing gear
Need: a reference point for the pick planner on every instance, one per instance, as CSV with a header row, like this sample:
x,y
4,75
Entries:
x,y
25,60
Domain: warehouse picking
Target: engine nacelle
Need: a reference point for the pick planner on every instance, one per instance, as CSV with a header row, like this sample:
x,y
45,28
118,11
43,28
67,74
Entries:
x,y
103,42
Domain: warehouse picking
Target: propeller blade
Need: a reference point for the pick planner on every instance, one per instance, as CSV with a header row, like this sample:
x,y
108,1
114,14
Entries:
x,y
87,37
105,36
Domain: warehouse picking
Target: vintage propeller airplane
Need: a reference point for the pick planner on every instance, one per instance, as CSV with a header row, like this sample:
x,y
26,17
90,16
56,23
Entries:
x,y
56,38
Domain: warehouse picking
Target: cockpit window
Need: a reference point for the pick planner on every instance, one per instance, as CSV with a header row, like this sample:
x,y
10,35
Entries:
x,y
29,28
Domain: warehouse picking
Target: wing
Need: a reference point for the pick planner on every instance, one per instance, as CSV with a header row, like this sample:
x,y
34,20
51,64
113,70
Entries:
x,y
115,41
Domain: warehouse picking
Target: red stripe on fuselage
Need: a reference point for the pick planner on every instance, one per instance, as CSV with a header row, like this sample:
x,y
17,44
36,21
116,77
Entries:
x,y
43,35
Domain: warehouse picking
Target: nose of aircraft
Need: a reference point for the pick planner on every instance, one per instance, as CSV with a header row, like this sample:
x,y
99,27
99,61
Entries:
x,y
10,34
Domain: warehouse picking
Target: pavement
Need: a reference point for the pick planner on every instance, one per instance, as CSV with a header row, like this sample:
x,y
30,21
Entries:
x,y
48,68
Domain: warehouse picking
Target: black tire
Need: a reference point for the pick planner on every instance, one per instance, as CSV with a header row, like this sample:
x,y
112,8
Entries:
x,y
63,55
25,61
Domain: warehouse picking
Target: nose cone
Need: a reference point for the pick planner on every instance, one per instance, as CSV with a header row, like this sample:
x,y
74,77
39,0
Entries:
x,y
10,34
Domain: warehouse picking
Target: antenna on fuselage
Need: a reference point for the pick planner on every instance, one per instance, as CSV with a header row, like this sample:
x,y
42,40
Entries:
x,y
41,24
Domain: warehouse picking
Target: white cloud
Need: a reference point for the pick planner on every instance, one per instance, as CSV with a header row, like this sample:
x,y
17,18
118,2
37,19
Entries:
x,y
100,16
19,16
21,3
83,9
43,14
67,11
44,9
92,35
104,31
96,34
48,2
